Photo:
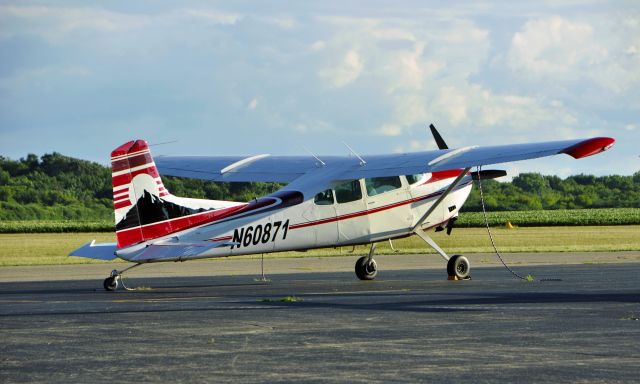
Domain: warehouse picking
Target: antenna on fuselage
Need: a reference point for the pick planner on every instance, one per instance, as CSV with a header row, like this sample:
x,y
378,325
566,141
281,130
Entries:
x,y
313,154
362,162
438,138
163,143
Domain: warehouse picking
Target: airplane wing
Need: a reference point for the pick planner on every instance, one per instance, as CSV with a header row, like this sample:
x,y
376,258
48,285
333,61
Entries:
x,y
419,162
268,168
265,168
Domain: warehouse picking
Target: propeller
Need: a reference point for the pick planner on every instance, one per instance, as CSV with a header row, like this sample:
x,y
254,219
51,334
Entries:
x,y
486,174
436,136
450,224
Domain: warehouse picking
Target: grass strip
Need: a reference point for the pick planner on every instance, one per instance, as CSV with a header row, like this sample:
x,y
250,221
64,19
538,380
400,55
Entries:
x,y
52,248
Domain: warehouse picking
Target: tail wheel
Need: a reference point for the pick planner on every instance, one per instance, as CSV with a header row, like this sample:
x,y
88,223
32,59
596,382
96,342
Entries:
x,y
459,267
366,268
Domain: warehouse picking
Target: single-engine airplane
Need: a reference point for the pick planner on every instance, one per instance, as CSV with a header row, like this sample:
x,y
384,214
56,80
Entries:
x,y
328,201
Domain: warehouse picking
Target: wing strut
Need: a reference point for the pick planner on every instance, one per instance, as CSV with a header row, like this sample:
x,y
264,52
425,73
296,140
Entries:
x,y
441,198
427,239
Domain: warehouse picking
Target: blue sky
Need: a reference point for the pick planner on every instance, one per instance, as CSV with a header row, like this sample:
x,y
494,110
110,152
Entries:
x,y
248,77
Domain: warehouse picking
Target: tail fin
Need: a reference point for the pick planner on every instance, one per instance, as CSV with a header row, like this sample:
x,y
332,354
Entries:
x,y
136,181
144,209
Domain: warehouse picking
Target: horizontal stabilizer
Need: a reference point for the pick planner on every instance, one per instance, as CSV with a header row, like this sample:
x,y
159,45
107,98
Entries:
x,y
100,251
174,251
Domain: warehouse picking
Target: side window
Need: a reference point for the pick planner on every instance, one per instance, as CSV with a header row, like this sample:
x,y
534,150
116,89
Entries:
x,y
324,198
378,185
349,191
412,179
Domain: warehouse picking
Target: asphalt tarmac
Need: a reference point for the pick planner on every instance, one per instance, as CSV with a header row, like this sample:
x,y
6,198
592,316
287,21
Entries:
x,y
410,325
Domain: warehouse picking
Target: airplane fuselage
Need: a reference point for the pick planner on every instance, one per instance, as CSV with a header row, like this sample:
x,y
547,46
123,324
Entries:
x,y
343,213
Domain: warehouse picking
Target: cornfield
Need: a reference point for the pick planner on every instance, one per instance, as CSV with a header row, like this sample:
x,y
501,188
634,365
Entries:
x,y
563,217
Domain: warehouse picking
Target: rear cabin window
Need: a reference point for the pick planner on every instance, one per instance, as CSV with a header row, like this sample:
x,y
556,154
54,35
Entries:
x,y
412,179
349,191
378,185
324,198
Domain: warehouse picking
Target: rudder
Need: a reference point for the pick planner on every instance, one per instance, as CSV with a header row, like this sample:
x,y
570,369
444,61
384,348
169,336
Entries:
x,y
137,186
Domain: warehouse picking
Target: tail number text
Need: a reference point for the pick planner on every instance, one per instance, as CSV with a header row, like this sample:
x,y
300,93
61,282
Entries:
x,y
244,237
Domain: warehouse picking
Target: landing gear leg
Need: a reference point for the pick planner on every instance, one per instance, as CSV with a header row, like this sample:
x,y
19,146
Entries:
x,y
366,267
458,267
112,282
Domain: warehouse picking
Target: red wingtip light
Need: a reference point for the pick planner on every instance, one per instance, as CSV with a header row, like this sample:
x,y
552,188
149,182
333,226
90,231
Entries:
x,y
589,147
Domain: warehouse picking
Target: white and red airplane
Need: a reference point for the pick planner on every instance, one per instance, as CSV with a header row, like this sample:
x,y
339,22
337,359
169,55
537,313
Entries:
x,y
328,202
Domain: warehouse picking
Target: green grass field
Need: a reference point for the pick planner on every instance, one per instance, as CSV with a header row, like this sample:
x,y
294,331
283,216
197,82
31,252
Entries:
x,y
52,248
560,217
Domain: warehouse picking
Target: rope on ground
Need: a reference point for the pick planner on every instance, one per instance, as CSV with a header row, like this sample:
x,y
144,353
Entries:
x,y
493,243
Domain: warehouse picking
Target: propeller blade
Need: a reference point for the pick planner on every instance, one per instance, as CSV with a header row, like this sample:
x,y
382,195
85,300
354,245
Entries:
x,y
450,224
486,174
438,138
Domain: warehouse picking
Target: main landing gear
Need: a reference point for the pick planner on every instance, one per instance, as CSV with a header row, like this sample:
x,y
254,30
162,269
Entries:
x,y
458,267
366,267
112,282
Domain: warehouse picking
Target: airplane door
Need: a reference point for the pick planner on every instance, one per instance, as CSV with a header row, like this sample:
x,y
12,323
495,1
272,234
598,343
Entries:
x,y
351,212
386,199
320,223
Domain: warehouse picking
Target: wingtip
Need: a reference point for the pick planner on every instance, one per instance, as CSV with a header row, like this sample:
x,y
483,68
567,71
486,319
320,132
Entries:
x,y
589,147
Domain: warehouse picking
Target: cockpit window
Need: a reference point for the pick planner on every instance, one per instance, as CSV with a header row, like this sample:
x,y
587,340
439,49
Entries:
x,y
349,191
378,185
324,198
412,179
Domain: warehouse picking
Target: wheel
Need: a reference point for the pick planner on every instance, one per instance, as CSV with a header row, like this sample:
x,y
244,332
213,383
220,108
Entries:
x,y
110,283
366,269
458,266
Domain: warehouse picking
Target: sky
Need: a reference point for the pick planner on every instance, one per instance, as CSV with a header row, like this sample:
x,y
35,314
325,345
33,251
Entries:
x,y
252,77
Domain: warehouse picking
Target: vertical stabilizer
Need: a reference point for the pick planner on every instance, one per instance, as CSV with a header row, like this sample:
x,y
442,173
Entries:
x,y
144,209
136,186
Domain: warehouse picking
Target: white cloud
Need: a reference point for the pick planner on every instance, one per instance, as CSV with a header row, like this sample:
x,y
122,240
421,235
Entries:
x,y
213,16
454,103
282,21
344,72
318,45
390,130
553,45
253,104
54,23
599,50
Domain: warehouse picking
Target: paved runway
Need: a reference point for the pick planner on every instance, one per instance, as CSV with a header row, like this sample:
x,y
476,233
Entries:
x,y
410,325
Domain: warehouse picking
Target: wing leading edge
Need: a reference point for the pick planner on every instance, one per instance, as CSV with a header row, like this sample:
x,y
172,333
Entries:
x,y
285,169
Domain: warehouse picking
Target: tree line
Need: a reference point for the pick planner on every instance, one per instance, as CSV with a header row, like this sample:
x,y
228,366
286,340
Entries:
x,y
58,187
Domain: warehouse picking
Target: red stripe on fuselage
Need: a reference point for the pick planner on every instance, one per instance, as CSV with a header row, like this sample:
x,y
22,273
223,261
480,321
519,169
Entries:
x,y
223,238
369,211
135,235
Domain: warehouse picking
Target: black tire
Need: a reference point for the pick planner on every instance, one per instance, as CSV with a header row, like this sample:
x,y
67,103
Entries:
x,y
366,269
110,283
459,267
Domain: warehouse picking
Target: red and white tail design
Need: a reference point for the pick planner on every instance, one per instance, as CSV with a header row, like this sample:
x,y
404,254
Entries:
x,y
128,161
144,209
